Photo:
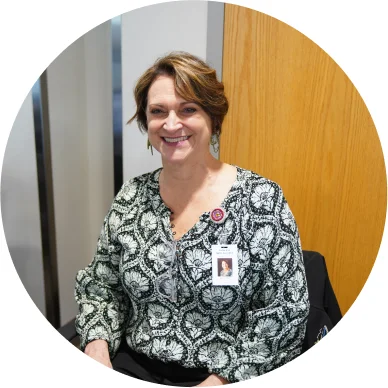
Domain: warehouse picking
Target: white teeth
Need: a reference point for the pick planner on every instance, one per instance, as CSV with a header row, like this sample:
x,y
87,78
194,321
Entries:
x,y
175,139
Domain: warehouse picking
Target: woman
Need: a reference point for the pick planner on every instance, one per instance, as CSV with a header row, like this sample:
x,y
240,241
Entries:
x,y
149,301
226,271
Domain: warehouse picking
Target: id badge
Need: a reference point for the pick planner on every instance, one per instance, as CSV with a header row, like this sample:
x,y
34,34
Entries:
x,y
224,265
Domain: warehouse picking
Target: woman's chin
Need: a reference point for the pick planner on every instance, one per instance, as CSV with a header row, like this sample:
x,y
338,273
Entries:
x,y
174,159
175,156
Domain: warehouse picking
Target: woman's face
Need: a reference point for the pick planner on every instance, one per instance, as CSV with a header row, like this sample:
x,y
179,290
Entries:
x,y
224,265
180,130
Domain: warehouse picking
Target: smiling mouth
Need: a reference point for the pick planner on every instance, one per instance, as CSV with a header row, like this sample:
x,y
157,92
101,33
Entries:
x,y
175,139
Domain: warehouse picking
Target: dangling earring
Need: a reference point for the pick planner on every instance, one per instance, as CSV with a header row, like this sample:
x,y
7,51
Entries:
x,y
215,142
149,146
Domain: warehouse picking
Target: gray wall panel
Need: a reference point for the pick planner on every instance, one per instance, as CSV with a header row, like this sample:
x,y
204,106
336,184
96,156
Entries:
x,y
20,204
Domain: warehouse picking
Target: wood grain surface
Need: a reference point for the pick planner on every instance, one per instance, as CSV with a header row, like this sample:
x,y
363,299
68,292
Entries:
x,y
297,119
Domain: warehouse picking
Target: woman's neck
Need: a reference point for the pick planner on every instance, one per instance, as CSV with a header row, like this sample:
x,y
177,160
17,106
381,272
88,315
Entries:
x,y
189,176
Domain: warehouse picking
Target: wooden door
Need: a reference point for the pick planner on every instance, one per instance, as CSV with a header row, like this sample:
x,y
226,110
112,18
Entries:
x,y
297,119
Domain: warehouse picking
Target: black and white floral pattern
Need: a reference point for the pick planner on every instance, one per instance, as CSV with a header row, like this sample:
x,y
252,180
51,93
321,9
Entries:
x,y
167,350
197,323
267,327
198,261
263,196
135,283
148,222
238,331
218,298
106,274
129,243
158,315
245,372
161,256
262,240
215,353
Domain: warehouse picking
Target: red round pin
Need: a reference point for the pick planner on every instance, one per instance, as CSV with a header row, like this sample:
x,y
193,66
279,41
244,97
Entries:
x,y
217,215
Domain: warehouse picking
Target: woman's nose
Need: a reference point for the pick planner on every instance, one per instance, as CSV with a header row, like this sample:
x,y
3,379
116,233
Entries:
x,y
172,122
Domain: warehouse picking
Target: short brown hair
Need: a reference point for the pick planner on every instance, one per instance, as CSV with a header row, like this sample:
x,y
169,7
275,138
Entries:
x,y
195,81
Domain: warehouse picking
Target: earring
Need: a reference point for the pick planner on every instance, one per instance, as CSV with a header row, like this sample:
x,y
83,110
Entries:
x,y
149,146
215,142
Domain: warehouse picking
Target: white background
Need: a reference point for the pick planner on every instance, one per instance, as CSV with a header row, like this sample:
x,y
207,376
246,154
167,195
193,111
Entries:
x,y
353,33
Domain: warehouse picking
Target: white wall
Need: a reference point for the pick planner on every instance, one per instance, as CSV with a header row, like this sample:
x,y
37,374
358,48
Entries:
x,y
20,204
148,33
80,110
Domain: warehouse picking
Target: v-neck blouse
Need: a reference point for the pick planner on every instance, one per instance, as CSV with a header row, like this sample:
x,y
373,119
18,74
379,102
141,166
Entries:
x,y
236,331
204,215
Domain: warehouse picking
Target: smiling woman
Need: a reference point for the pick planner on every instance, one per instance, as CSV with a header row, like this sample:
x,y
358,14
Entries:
x,y
166,236
180,130
194,81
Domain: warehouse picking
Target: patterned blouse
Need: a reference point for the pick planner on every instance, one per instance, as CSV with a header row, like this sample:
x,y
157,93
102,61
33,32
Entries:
x,y
159,294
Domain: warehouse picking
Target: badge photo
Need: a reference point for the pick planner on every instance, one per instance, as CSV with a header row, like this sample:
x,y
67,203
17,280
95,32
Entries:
x,y
224,265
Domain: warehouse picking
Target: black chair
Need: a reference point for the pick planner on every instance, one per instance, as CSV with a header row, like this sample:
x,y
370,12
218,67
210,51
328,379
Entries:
x,y
324,312
68,331
324,309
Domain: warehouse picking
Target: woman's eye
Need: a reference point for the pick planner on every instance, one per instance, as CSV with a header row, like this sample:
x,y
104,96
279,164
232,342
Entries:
x,y
156,111
190,110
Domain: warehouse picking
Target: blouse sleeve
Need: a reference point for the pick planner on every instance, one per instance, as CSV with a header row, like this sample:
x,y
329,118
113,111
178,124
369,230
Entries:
x,y
103,304
275,324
